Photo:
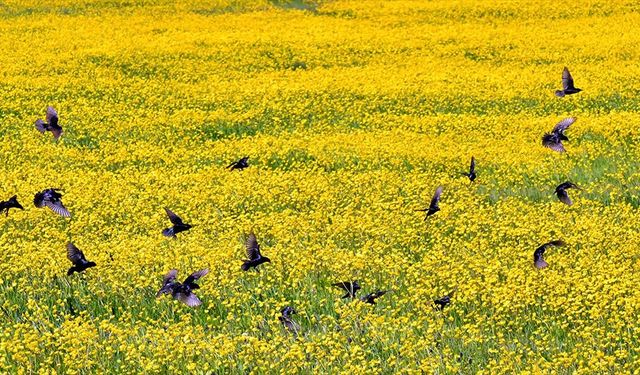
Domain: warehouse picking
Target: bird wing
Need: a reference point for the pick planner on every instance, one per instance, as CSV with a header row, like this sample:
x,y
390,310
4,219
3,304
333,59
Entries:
x,y
436,197
175,219
169,277
189,299
539,253
346,285
253,249
195,276
549,141
52,116
567,79
472,167
40,125
74,254
58,208
564,124
564,197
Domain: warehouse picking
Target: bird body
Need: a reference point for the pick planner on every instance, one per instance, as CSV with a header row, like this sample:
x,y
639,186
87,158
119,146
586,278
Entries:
x,y
240,164
561,192
182,292
538,254
568,86
554,139
445,300
433,206
371,297
51,124
80,263
253,253
51,199
287,321
351,287
10,203
178,225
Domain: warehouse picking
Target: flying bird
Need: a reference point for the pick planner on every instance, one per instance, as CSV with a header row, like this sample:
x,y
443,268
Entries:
x,y
51,199
351,287
538,255
253,253
287,321
11,203
433,207
445,300
178,225
75,255
567,85
51,124
371,297
561,192
472,170
240,164
183,292
554,139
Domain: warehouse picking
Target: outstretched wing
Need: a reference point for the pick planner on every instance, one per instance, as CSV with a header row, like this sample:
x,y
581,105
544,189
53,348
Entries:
x,y
39,124
74,254
436,197
472,167
190,299
58,208
169,277
253,249
195,276
175,219
52,116
564,124
563,196
567,79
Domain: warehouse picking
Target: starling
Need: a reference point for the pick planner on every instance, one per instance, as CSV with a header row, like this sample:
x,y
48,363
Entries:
x,y
433,207
11,203
178,225
538,255
51,199
444,301
287,321
51,124
561,192
240,164
351,287
371,297
80,263
472,170
253,253
554,139
567,85
182,291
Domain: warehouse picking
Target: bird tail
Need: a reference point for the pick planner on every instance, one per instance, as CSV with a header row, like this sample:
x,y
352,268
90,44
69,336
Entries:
x,y
559,93
168,232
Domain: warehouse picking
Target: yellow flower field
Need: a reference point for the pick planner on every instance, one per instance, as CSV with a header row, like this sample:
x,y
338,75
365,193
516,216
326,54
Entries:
x,y
352,113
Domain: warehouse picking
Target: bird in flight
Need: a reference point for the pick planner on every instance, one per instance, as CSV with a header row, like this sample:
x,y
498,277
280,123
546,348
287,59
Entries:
x,y
561,192
253,253
472,170
445,300
10,203
567,85
554,139
51,124
178,225
287,320
182,292
433,207
350,287
240,164
51,199
75,255
538,255
371,297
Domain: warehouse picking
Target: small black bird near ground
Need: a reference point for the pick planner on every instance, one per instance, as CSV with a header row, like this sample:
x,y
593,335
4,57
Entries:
x,y
445,300
178,225
10,203
75,255
371,297
51,199
182,292
472,170
253,253
287,320
433,207
554,139
568,87
561,192
538,255
240,164
351,287
51,124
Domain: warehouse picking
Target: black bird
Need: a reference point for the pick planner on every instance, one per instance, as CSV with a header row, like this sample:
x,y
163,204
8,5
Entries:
x,y
472,170
11,203
80,263
253,253
433,207
51,124
240,164
287,321
554,139
561,192
178,225
182,291
567,85
371,297
51,199
351,287
444,301
538,255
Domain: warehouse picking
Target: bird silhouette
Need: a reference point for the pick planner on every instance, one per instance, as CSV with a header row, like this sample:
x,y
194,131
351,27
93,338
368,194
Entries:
x,y
433,207
253,253
371,297
240,164
554,139
51,124
538,255
182,292
561,192
51,199
10,203
472,170
178,225
75,255
287,320
351,287
568,87
445,300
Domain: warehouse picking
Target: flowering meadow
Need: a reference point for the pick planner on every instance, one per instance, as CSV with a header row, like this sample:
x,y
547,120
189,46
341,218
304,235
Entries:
x,y
352,113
